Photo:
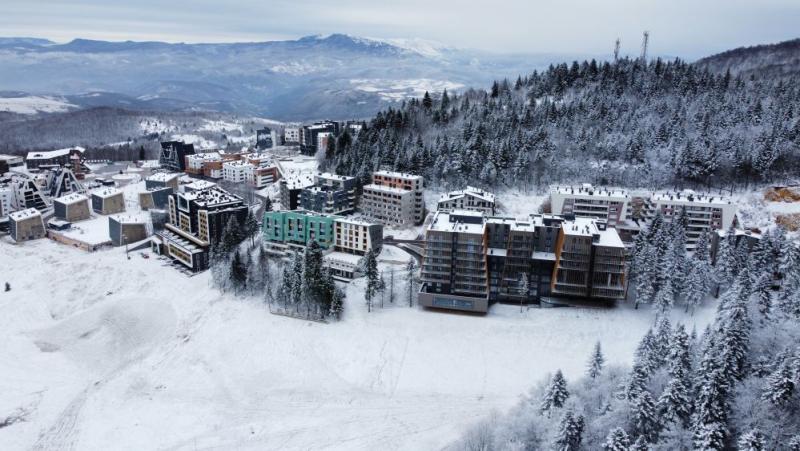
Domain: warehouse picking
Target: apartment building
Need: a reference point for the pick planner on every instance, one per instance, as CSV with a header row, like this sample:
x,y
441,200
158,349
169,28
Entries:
x,y
290,187
262,175
590,261
266,138
107,201
344,241
289,231
394,198
291,134
163,180
196,221
471,199
706,214
471,261
354,236
173,155
331,194
309,135
235,171
587,201
53,158
208,164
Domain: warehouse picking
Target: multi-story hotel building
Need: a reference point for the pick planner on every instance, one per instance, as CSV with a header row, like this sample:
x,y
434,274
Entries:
x,y
471,261
331,194
196,221
394,198
705,214
586,201
208,164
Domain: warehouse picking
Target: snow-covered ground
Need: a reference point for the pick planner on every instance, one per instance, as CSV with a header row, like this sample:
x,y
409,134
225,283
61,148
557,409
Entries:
x,y
101,352
35,104
398,90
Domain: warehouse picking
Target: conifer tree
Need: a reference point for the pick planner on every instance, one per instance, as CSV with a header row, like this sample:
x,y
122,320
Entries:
x,y
645,422
238,272
752,441
596,362
617,440
781,384
556,394
372,278
570,432
411,275
637,382
640,444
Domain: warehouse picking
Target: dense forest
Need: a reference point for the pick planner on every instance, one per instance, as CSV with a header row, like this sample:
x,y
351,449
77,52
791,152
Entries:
x,y
660,124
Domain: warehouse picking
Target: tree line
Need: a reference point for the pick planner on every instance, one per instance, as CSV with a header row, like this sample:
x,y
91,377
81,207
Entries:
x,y
657,124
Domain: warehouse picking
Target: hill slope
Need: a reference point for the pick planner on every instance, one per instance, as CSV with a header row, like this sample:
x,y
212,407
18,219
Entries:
x,y
770,60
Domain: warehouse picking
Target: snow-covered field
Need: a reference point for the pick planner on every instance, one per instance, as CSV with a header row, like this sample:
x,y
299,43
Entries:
x,y
35,104
101,352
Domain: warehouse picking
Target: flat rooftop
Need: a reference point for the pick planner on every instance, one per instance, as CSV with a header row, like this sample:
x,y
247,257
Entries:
x,y
589,191
688,197
71,198
444,222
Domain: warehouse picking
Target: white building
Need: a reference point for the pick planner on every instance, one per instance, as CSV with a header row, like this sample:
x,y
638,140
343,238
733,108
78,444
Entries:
x,y
291,134
471,198
357,237
262,175
705,213
6,199
236,171
587,201
394,198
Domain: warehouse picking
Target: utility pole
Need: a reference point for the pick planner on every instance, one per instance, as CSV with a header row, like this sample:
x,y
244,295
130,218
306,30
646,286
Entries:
x,y
616,50
645,38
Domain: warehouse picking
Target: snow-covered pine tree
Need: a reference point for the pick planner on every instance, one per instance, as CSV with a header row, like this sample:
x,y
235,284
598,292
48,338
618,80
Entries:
x,y
570,432
752,441
794,443
637,381
617,440
238,272
555,395
781,384
251,227
645,421
596,362
411,277
372,278
640,444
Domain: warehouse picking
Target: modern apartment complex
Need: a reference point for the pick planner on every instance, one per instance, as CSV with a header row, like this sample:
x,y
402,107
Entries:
x,y
471,261
53,158
587,201
331,194
290,187
705,214
196,221
629,211
343,240
471,198
208,164
394,198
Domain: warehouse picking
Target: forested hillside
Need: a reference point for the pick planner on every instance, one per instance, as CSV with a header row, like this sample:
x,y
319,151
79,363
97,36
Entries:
x,y
775,60
659,124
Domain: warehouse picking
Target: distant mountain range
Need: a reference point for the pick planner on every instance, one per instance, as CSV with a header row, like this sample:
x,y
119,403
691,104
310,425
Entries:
x,y
338,76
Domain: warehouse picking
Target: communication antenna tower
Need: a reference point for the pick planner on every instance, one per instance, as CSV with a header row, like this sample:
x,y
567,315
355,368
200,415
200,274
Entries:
x,y
645,38
616,49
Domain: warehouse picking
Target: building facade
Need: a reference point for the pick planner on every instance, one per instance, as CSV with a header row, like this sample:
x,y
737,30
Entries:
x,y
331,194
173,155
394,198
72,207
705,214
53,158
290,187
26,225
106,201
287,231
471,199
472,261
196,221
587,201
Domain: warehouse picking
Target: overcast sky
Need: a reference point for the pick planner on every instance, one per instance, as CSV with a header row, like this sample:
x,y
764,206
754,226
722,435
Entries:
x,y
687,28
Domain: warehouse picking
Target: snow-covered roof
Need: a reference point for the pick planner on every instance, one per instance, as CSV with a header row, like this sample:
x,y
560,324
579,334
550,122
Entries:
x,y
610,238
400,175
163,176
211,196
207,156
443,222
468,191
24,214
71,198
687,197
198,184
46,155
581,227
345,257
588,190
105,193
299,180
